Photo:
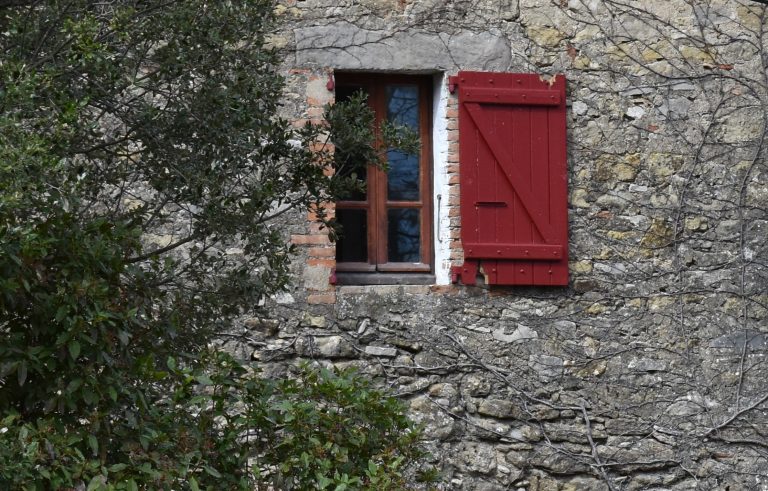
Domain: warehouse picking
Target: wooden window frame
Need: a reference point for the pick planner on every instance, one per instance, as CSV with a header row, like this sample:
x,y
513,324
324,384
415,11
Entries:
x,y
376,203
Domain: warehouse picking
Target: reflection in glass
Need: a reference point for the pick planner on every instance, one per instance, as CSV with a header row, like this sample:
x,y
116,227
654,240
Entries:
x,y
403,175
403,235
352,245
403,105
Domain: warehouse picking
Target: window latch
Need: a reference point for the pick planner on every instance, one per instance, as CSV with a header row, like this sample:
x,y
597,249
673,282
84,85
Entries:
x,y
491,204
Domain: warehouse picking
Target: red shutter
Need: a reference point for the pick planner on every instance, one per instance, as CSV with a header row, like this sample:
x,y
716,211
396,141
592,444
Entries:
x,y
514,203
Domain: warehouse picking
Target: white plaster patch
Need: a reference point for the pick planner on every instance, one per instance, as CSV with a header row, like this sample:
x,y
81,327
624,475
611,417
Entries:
x,y
441,231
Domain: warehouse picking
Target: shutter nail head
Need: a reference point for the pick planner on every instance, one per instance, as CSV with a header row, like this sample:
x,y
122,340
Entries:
x,y
522,271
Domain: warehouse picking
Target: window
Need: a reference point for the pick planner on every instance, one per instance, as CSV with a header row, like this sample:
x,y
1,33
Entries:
x,y
387,230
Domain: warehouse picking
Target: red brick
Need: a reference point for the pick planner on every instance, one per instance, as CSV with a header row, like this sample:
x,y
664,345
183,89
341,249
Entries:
x,y
322,252
326,298
444,289
328,263
317,228
316,101
315,112
329,213
310,239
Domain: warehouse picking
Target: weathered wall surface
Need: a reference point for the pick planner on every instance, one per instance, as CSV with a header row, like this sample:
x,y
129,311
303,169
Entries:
x,y
649,370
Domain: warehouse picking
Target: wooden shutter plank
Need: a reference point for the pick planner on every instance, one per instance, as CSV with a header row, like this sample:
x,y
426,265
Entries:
x,y
522,232
539,125
486,189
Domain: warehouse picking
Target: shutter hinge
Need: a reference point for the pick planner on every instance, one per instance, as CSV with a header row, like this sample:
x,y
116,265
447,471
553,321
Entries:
x,y
453,81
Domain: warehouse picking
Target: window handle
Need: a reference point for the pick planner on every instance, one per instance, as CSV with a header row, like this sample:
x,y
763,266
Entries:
x,y
439,238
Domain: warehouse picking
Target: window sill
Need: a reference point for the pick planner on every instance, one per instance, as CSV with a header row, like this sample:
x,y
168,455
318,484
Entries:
x,y
346,278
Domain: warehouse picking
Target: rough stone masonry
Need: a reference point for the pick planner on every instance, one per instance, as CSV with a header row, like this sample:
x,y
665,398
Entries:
x,y
649,370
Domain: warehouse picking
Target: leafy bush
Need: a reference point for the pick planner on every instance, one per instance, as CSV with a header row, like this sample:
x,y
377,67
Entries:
x,y
224,428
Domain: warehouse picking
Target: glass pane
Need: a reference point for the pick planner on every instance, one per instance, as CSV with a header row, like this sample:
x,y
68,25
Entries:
x,y
403,105
403,235
403,175
352,245
350,165
344,92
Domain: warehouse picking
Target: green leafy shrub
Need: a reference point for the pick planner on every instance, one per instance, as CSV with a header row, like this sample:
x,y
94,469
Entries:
x,y
224,428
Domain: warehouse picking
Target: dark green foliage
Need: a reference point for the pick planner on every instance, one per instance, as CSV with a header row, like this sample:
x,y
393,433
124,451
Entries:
x,y
142,170
225,428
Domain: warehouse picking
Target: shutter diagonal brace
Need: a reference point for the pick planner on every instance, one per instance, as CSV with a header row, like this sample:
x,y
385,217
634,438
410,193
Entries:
x,y
532,205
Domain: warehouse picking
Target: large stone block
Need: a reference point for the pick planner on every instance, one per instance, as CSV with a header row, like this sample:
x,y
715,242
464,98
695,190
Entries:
x,y
344,46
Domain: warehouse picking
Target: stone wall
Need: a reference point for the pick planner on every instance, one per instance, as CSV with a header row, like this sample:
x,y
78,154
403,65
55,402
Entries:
x,y
649,370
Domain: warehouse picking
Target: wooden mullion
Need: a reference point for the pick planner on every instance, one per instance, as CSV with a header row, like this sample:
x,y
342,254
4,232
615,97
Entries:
x,y
380,108
356,266
404,204
425,159
403,267
352,205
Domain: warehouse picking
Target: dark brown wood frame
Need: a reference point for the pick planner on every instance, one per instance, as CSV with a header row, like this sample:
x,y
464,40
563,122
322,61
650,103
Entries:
x,y
376,203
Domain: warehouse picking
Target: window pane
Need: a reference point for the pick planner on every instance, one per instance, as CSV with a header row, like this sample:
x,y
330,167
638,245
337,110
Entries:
x,y
403,105
403,175
352,245
403,235
344,92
